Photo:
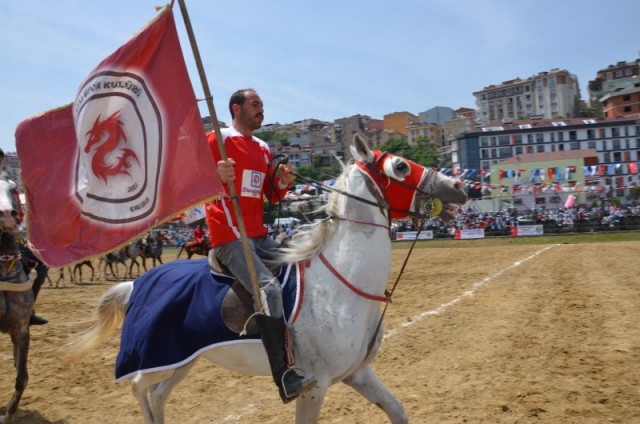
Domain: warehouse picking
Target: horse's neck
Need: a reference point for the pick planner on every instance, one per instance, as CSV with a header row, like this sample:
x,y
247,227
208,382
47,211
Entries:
x,y
360,248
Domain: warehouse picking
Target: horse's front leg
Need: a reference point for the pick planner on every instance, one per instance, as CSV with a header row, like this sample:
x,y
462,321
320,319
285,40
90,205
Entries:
x,y
367,383
309,404
20,339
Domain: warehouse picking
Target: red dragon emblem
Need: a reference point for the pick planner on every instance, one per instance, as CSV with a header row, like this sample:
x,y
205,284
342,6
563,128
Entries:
x,y
105,137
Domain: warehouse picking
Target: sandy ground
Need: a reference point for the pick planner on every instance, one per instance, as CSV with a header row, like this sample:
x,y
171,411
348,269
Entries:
x,y
513,334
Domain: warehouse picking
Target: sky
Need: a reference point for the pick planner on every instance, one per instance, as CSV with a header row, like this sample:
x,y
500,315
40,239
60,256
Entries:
x,y
317,59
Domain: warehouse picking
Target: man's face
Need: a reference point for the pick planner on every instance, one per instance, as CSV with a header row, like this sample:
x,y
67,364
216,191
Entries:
x,y
252,111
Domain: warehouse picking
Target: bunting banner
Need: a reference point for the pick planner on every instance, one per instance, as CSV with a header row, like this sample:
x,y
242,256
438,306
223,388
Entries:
x,y
128,155
194,214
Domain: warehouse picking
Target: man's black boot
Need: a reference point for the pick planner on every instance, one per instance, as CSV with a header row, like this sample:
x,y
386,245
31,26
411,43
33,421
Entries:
x,y
290,383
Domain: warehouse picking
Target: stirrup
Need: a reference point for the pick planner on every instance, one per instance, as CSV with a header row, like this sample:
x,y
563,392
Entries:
x,y
304,387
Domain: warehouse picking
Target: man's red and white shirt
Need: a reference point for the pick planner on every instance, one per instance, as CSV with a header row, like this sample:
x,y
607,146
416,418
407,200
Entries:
x,y
255,182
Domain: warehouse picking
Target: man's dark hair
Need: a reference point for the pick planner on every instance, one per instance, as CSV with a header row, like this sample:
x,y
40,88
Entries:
x,y
1,154
238,98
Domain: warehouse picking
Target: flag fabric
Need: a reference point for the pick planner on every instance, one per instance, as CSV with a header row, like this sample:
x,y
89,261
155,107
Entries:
x,y
129,154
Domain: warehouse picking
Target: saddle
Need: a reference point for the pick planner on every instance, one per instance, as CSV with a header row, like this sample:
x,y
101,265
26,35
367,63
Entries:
x,y
237,305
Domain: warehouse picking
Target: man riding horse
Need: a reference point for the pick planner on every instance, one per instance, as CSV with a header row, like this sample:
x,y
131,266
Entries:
x,y
249,168
29,260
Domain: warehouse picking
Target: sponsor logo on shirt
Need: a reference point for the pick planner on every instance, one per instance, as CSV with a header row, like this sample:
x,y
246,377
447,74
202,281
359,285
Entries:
x,y
252,184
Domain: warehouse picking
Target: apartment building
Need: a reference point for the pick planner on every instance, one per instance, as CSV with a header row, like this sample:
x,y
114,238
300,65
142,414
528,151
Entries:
x,y
432,131
399,122
615,77
548,94
436,115
344,129
615,140
621,103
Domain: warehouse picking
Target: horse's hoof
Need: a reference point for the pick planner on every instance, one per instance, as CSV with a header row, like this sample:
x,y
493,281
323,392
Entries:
x,y
36,320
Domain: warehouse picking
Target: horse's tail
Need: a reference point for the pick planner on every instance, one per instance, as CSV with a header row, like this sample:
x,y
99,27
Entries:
x,y
110,314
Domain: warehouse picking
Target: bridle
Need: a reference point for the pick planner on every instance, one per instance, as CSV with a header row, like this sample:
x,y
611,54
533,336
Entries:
x,y
378,185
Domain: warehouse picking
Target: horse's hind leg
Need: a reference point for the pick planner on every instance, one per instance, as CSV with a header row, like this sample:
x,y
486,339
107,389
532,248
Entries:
x,y
367,383
152,391
161,391
20,339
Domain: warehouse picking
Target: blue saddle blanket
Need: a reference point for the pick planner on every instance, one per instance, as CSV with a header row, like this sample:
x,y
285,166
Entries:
x,y
174,314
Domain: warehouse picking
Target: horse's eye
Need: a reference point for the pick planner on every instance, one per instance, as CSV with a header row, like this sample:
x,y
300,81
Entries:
x,y
402,168
397,168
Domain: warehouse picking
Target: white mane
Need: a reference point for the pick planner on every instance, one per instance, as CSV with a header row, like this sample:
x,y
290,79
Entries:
x,y
310,239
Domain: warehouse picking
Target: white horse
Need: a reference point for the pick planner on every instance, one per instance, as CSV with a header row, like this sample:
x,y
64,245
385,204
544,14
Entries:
x,y
348,259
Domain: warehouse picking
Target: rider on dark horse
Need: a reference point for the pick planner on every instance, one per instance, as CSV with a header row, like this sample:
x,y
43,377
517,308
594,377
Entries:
x,y
198,238
29,260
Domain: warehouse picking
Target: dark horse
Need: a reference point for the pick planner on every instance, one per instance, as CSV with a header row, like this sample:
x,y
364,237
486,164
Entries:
x,y
153,249
192,248
110,263
16,298
132,251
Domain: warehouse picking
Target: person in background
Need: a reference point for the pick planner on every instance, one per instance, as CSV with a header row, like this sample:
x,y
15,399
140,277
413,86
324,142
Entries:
x,y
249,167
29,260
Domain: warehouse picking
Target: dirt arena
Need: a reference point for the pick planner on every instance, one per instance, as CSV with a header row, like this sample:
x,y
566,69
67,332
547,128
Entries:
x,y
506,334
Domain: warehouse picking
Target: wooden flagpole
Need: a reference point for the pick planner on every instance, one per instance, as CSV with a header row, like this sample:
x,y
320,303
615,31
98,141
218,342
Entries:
x,y
223,154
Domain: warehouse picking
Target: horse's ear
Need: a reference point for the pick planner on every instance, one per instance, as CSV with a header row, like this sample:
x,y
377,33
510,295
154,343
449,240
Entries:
x,y
360,151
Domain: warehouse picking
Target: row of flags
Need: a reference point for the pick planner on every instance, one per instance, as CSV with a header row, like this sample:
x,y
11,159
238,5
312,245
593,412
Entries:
x,y
126,156
550,173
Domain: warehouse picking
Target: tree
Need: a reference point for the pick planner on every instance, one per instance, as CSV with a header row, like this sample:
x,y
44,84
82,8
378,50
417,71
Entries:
x,y
634,193
424,153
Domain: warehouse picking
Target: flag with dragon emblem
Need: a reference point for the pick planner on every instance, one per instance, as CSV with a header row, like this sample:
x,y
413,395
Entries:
x,y
129,153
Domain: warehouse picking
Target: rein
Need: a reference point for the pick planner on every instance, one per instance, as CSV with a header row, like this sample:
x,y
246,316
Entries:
x,y
318,185
386,298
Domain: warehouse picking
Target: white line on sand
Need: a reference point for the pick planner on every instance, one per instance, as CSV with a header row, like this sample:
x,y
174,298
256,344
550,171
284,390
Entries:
x,y
474,288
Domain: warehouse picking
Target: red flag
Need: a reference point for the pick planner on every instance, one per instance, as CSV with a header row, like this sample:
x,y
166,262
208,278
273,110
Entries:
x,y
129,154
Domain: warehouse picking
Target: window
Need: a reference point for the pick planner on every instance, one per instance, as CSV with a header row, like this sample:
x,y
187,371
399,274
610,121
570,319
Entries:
x,y
573,135
615,145
591,134
505,152
627,108
560,136
561,147
540,148
591,145
539,138
575,145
